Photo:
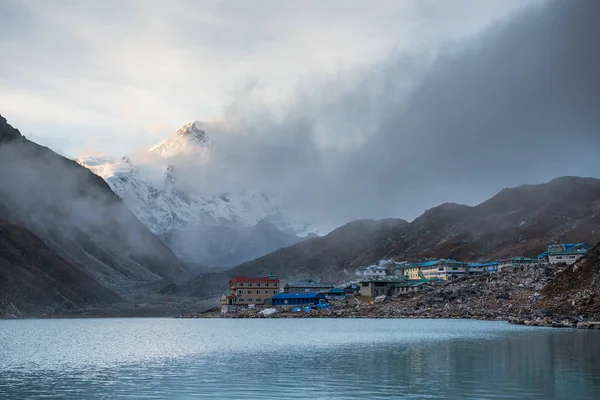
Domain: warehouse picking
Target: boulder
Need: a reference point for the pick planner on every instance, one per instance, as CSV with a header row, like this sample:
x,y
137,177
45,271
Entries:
x,y
380,299
268,311
584,325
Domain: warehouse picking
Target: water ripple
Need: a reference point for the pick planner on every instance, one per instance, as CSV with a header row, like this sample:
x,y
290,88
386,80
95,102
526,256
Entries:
x,y
294,359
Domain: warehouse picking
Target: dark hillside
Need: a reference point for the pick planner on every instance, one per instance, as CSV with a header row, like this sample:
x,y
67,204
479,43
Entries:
x,y
52,205
36,281
326,257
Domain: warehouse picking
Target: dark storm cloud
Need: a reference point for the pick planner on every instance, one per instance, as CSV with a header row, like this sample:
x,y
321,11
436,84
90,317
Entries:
x,y
519,103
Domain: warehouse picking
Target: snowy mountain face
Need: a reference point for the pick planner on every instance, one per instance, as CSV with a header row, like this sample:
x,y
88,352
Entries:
x,y
188,220
190,137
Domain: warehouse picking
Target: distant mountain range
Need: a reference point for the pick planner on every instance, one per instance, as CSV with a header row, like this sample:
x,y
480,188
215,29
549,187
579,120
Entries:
x,y
66,239
217,230
517,221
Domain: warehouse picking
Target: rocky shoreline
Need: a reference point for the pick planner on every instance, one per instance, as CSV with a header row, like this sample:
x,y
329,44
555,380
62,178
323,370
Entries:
x,y
376,312
385,312
512,296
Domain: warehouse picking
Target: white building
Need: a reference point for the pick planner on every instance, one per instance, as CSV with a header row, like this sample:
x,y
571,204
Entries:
x,y
445,269
374,271
516,263
566,252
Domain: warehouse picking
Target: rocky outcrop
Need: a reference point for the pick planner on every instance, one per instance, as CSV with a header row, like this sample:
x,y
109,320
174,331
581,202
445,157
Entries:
x,y
7,132
576,290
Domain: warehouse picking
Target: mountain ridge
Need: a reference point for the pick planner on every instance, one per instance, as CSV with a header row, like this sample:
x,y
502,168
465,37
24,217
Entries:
x,y
324,256
516,221
76,215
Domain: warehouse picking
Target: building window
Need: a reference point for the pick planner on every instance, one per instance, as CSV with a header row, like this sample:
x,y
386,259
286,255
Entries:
x,y
258,300
250,284
241,284
266,291
240,300
249,291
266,285
240,292
258,284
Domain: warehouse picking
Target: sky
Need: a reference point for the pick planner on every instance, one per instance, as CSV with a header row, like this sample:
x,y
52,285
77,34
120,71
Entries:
x,y
111,76
351,109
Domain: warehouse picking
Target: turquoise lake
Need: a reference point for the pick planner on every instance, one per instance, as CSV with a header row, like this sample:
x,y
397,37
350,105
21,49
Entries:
x,y
295,359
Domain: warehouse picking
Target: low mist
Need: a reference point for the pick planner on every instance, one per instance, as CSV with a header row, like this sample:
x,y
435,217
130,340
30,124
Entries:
x,y
76,214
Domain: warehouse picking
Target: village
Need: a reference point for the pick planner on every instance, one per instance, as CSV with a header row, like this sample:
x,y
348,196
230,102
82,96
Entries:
x,y
390,279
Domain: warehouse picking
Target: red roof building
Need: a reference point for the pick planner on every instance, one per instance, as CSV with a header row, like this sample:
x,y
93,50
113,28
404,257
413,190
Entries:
x,y
255,279
251,290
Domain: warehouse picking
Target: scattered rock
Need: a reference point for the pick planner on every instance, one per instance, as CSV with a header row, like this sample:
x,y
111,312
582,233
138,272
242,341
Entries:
x,y
380,299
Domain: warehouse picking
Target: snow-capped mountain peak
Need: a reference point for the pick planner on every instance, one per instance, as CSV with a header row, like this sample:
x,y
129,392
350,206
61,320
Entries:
x,y
189,138
154,192
192,130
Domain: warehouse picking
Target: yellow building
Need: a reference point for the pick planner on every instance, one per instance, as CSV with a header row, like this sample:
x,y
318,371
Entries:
x,y
445,269
413,272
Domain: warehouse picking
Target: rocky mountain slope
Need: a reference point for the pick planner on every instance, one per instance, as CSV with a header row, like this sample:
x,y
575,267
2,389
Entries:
x,y
517,221
78,218
34,280
332,256
159,192
576,290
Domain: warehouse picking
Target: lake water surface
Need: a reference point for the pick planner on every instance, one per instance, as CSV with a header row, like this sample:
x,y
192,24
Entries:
x,y
295,359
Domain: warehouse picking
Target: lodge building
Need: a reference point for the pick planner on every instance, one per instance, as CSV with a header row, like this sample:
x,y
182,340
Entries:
x,y
251,290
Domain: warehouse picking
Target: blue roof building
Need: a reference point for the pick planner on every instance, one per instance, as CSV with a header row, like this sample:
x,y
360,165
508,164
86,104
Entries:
x,y
309,286
334,294
297,299
492,264
567,253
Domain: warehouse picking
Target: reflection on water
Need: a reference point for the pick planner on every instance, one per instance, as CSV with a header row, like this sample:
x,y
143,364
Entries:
x,y
317,359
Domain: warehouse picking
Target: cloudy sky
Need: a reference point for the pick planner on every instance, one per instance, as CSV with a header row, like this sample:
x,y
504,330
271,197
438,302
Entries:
x,y
112,75
351,108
